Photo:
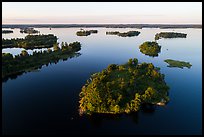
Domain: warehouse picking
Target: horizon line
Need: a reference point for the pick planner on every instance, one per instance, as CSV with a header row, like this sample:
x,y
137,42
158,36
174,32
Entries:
x,y
106,24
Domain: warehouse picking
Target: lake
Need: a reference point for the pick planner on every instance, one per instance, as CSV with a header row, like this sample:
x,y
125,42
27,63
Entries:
x,y
46,101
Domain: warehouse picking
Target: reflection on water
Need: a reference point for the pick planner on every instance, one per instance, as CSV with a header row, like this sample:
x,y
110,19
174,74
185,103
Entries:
x,y
148,108
46,102
98,119
14,76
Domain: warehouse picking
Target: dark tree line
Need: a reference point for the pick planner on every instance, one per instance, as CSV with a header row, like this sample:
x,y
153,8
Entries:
x,y
85,32
25,62
7,31
124,34
29,30
30,42
169,35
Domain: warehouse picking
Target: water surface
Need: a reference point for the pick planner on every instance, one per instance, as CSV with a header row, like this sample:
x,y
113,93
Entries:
x,y
46,102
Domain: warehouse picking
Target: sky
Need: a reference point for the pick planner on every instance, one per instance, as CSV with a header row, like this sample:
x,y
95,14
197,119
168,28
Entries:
x,y
101,13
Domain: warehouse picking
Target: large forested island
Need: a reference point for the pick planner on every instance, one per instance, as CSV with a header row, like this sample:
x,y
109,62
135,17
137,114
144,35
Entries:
x,y
25,62
169,35
30,42
124,34
150,48
177,63
123,88
7,31
85,32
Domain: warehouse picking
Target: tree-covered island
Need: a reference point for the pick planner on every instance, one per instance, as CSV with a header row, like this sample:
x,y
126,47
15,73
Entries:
x,y
169,35
30,42
93,31
29,30
176,63
85,32
25,62
150,48
7,31
124,34
123,89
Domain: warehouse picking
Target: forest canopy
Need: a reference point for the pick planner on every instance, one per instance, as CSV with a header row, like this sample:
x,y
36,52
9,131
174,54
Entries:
x,y
150,48
169,35
177,63
30,42
29,30
123,88
124,34
25,62
85,32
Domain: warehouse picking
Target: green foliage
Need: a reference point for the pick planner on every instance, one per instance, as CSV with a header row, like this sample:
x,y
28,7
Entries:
x,y
135,61
85,32
135,103
124,34
7,56
24,53
169,35
56,46
150,48
176,63
25,62
93,31
122,88
129,34
150,95
30,42
112,67
112,33
29,30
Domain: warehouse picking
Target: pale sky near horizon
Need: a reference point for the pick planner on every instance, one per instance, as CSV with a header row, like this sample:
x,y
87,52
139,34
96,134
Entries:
x,y
101,12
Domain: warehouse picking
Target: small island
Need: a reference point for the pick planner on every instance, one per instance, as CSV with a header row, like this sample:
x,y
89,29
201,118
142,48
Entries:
x,y
169,35
123,89
85,32
7,31
25,62
112,32
30,42
124,34
29,30
150,48
93,31
176,63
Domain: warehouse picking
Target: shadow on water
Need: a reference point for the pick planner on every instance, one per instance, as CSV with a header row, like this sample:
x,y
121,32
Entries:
x,y
148,108
37,69
98,119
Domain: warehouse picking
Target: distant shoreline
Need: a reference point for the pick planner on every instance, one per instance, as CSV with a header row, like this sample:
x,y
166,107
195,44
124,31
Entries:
x,y
139,26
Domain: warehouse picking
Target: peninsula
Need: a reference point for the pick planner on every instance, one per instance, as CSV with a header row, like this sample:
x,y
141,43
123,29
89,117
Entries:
x,y
25,62
30,42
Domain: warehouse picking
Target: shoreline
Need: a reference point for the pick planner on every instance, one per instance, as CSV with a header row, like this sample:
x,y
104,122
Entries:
x,y
138,26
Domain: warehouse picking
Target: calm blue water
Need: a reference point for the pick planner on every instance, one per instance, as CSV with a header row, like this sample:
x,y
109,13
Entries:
x,y
46,102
